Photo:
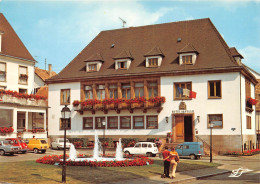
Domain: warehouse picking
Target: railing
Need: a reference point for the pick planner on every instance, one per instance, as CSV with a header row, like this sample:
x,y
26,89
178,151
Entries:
x,y
23,101
206,144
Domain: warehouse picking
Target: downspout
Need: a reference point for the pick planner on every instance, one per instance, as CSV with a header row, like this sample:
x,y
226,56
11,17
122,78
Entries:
x,y
241,114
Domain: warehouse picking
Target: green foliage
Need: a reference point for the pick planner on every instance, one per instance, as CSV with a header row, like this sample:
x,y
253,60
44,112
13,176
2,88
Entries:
x,y
127,141
82,140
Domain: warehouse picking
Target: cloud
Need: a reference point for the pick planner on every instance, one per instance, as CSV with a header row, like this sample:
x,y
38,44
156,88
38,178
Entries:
x,y
251,57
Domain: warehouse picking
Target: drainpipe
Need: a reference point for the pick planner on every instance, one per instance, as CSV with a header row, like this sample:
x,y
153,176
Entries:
x,y
241,114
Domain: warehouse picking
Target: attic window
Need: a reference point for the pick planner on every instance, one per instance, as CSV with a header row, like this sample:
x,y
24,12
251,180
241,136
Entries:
x,y
187,60
92,67
122,64
153,62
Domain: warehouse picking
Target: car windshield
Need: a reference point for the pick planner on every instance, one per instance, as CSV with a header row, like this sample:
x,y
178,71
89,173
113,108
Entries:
x,y
43,142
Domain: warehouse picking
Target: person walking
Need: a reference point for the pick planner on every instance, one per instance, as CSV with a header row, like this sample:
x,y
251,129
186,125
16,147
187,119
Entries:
x,y
166,162
174,157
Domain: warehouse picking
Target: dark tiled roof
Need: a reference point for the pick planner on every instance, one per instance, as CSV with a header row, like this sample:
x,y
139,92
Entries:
x,y
44,74
124,55
156,51
11,43
95,57
188,49
235,53
201,33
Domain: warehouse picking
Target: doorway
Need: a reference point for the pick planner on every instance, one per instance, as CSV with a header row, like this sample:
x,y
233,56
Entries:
x,y
183,128
188,129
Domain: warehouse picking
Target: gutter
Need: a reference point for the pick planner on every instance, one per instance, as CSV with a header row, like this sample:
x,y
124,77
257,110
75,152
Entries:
x,y
19,58
177,72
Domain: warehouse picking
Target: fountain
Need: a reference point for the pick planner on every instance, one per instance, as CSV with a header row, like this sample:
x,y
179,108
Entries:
x,y
96,152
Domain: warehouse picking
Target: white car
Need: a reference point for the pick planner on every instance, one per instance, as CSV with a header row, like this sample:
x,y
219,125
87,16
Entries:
x,y
59,144
142,148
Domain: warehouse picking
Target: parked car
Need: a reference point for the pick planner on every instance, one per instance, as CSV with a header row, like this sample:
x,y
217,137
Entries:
x,y
37,145
59,144
6,147
142,148
194,150
16,142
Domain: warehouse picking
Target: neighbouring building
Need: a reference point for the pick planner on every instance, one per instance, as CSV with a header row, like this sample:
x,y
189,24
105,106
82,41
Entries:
x,y
22,114
42,75
257,97
172,79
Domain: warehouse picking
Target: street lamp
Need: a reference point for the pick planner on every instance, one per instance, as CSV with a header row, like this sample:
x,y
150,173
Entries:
x,y
65,115
211,125
104,129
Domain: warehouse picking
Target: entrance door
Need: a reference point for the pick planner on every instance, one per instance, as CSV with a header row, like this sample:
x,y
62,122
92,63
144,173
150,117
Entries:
x,y
179,128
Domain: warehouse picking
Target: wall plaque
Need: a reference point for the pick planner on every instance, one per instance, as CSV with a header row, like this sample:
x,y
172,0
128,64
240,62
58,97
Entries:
x,y
182,106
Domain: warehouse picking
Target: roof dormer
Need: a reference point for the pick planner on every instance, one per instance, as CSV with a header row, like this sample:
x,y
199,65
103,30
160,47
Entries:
x,y
188,55
123,60
236,55
94,63
154,57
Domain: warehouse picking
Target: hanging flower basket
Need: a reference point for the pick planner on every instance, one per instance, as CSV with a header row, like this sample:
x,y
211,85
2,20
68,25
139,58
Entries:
x,y
252,101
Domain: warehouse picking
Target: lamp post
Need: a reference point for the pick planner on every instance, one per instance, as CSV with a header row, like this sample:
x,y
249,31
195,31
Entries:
x,y
104,129
65,115
211,126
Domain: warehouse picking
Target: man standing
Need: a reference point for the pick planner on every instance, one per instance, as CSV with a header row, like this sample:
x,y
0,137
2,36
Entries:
x,y
166,159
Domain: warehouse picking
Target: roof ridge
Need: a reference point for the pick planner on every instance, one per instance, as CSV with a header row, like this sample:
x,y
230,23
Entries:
x,y
176,22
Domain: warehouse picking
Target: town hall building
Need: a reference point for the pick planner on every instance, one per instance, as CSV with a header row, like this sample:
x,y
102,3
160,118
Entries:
x,y
178,79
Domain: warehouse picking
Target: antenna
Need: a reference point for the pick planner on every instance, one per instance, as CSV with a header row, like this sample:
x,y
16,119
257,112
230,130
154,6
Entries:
x,y
124,22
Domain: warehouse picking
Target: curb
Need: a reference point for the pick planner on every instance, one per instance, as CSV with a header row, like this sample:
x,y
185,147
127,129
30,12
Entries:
x,y
199,177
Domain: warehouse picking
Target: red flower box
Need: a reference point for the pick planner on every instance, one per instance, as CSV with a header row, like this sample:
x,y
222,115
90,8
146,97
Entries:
x,y
6,129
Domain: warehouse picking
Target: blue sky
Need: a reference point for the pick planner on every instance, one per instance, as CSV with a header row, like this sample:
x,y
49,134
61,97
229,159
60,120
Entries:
x,y
59,29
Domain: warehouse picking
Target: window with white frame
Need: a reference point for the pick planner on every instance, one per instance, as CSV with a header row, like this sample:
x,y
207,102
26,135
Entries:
x,y
122,64
153,61
92,67
23,74
88,92
187,58
2,72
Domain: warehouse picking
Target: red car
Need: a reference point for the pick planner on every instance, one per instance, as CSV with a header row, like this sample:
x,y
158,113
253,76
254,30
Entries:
x,y
20,143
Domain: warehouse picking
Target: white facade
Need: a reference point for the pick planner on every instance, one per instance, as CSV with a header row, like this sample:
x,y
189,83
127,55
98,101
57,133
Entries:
x,y
231,105
15,106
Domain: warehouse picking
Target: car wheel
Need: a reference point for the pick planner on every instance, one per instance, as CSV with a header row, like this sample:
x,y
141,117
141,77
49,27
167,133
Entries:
x,y
2,152
149,154
58,148
127,153
192,157
35,150
154,155
43,151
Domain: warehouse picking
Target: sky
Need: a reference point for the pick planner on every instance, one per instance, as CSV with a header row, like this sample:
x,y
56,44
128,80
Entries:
x,y
58,30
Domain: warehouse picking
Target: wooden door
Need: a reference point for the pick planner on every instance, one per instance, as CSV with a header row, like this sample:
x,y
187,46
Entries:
x,y
179,128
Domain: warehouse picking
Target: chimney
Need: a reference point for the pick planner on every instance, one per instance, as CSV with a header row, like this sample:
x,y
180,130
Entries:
x,y
50,70
1,33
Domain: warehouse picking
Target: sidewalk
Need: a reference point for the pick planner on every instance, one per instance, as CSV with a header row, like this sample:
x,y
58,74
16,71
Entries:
x,y
229,164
